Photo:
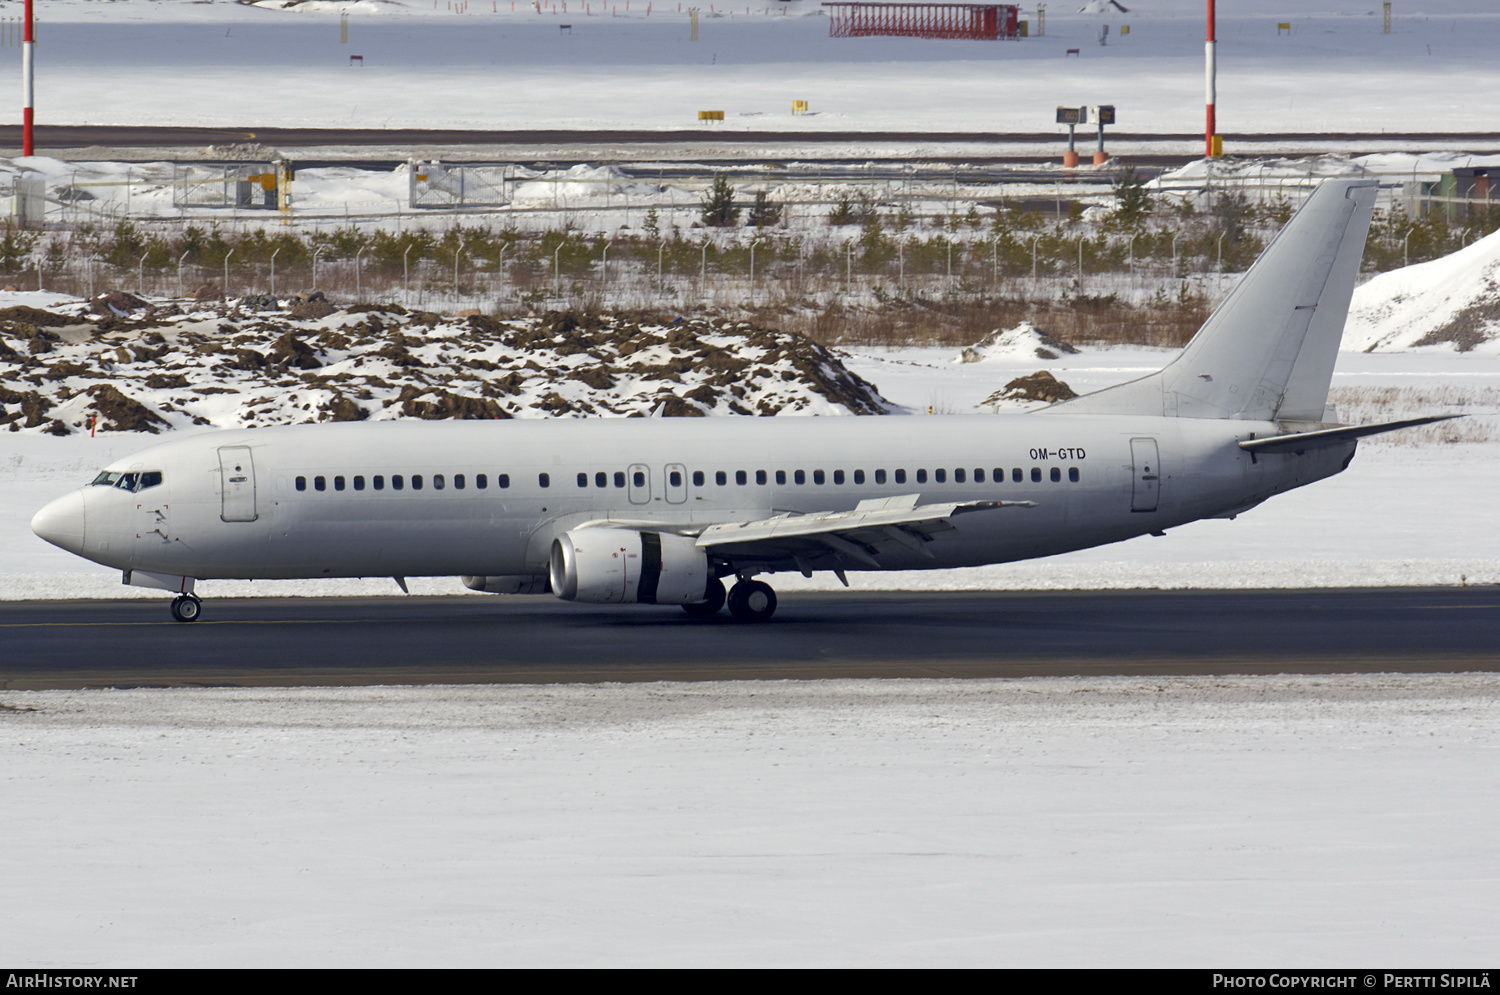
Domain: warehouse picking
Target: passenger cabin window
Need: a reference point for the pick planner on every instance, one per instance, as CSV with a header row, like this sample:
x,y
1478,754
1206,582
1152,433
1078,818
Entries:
x,y
416,481
438,483
879,476
1016,475
378,482
397,482
760,477
319,484
800,476
1073,474
838,476
958,476
543,480
619,478
301,483
502,480
697,478
639,478
818,477
741,477
338,483
900,476
1056,475
458,481
780,476
675,478
940,476
359,483
978,475
583,480
859,476
481,481
1036,475
601,479
921,476
721,478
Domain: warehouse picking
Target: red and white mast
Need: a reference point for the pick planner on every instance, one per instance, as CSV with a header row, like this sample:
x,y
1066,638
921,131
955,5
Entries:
x,y
28,42
1210,69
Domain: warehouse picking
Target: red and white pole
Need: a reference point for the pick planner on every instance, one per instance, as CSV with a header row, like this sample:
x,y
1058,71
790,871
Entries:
x,y
28,42
1210,70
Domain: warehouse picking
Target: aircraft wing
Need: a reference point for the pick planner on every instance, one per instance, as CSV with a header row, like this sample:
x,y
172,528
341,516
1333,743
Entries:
x,y
853,538
834,540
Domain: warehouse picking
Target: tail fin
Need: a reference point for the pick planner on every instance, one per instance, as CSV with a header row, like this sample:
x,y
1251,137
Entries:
x,y
1267,352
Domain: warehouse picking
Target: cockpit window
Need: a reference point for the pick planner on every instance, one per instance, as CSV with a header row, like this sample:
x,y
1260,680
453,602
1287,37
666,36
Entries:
x,y
127,481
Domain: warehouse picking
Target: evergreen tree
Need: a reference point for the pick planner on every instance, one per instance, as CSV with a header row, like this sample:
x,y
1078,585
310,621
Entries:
x,y
718,205
763,213
1132,201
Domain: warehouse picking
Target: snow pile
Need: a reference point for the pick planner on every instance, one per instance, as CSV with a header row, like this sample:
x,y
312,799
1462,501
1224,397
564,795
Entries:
x,y
1024,341
237,365
577,183
1452,302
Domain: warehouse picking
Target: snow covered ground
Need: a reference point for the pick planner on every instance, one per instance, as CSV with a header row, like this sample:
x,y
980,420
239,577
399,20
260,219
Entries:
x,y
1224,822
630,65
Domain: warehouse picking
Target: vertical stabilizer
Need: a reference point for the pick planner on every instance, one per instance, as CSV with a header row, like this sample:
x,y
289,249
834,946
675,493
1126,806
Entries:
x,y
1267,352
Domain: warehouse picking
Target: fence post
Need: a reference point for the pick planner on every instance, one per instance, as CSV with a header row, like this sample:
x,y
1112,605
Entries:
x,y
227,257
179,271
273,270
359,283
316,254
405,277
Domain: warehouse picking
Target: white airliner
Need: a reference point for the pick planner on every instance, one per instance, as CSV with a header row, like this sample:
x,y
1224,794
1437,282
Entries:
x,y
659,511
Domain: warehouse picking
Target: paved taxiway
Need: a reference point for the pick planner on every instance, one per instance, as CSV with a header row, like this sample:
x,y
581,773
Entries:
x,y
352,641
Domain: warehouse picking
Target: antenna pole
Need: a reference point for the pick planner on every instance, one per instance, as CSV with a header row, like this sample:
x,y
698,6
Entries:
x,y
28,42
1210,71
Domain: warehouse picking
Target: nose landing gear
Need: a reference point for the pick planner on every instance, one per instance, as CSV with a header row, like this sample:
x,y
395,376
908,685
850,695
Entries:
x,y
186,608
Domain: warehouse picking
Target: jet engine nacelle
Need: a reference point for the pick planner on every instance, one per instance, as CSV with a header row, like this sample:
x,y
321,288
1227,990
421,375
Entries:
x,y
622,566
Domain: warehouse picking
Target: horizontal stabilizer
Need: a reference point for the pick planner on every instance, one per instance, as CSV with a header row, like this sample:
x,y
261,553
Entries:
x,y
1303,441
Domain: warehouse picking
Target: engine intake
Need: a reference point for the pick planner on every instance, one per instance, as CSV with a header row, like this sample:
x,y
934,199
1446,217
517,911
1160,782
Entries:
x,y
622,566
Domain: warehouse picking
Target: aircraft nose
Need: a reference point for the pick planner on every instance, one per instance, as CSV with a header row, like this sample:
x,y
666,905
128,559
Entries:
x,y
61,522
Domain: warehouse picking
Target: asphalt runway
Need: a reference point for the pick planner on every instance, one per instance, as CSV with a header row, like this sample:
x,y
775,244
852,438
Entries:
x,y
361,641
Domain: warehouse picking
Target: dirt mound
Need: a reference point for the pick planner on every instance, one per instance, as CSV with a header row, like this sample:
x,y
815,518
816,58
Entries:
x,y
35,316
119,413
1039,386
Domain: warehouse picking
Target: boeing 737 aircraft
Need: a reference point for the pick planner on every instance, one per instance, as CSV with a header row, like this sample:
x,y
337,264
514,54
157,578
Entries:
x,y
662,511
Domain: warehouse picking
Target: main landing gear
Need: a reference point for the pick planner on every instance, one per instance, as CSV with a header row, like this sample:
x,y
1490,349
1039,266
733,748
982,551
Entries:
x,y
749,601
186,608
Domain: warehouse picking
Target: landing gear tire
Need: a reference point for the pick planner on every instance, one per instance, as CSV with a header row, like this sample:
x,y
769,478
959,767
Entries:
x,y
752,601
186,608
712,602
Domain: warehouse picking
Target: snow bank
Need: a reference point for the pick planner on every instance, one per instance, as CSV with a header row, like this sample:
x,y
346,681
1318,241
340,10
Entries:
x,y
1452,302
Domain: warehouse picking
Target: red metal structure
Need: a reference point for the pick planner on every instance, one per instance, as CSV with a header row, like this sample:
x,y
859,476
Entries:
x,y
973,21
